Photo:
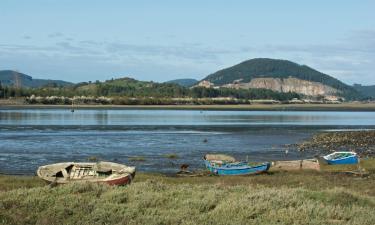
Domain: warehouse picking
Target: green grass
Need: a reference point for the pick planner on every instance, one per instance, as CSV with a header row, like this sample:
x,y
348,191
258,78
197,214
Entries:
x,y
137,159
300,197
155,199
92,159
13,182
171,156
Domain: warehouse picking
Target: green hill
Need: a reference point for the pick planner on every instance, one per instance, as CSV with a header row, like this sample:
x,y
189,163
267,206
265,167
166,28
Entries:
x,y
367,91
276,68
10,77
125,87
184,82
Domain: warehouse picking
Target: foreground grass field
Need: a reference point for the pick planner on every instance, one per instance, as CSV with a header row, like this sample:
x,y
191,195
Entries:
x,y
302,197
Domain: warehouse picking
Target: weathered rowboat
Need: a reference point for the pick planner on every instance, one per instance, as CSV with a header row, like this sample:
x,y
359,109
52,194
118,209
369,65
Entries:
x,y
100,172
304,164
228,166
341,158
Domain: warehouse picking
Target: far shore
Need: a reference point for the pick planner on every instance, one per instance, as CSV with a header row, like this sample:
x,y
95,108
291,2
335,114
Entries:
x,y
370,107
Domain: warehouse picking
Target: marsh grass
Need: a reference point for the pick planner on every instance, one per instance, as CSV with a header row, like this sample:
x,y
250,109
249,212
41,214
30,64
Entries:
x,y
300,197
137,158
92,159
13,182
171,156
155,200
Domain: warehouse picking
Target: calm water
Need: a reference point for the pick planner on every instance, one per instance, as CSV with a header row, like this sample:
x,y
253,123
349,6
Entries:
x,y
30,138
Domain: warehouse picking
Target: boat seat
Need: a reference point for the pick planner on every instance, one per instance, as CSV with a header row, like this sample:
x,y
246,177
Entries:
x,y
104,171
65,173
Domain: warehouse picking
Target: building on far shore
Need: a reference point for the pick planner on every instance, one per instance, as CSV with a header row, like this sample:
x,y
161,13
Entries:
x,y
205,83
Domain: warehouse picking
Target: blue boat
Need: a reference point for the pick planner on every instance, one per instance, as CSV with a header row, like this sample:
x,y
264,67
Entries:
x,y
340,158
223,167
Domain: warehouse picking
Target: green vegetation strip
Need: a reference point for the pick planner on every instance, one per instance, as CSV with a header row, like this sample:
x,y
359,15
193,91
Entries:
x,y
5,104
304,197
171,156
137,158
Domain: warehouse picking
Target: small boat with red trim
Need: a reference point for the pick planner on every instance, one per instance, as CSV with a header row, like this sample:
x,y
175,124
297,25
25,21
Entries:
x,y
99,172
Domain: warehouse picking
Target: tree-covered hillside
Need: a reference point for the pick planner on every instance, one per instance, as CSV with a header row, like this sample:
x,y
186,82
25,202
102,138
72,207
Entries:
x,y
128,88
184,82
275,68
367,91
14,78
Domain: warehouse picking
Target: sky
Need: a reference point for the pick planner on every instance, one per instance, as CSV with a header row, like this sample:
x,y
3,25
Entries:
x,y
90,40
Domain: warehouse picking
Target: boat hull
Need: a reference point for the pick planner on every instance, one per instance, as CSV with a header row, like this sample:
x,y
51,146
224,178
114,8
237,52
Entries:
x,y
348,160
341,158
120,181
101,172
232,170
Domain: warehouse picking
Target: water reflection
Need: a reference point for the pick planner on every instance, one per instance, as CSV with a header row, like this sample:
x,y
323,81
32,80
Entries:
x,y
30,138
181,117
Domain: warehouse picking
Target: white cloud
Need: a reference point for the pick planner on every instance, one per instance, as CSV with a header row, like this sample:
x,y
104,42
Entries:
x,y
350,58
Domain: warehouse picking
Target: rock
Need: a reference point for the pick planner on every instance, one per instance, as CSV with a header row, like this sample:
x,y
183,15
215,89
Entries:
x,y
362,142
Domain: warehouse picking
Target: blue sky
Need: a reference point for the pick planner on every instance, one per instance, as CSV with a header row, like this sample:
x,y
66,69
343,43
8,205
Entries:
x,y
162,40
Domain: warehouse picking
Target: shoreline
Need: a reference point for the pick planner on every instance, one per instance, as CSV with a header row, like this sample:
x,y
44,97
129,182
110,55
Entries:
x,y
344,107
291,196
268,198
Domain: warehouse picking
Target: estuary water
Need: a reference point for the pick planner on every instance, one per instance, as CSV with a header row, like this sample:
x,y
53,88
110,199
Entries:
x,y
33,137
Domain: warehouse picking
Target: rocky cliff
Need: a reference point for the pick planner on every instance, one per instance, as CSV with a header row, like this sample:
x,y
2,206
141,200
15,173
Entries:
x,y
280,75
290,84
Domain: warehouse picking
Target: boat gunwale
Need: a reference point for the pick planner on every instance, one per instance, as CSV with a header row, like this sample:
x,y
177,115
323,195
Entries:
x,y
353,154
239,168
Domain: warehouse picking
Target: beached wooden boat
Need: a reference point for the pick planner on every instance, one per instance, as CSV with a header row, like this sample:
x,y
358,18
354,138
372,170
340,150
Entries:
x,y
100,172
219,165
341,158
304,164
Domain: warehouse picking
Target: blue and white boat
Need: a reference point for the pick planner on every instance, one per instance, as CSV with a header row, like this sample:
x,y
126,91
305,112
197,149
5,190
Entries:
x,y
338,158
228,167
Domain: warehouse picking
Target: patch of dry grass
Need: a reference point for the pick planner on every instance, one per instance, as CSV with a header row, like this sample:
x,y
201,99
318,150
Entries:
x,y
300,197
154,201
171,156
137,158
13,182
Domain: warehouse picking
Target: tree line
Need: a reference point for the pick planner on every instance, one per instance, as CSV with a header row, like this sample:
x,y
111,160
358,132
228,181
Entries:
x,y
130,91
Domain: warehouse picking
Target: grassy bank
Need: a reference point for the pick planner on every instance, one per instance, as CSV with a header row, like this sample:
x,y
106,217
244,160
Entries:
x,y
303,197
253,107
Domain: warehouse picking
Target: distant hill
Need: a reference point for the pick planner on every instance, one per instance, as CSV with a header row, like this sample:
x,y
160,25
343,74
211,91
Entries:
x,y
10,77
367,91
184,82
280,75
130,87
